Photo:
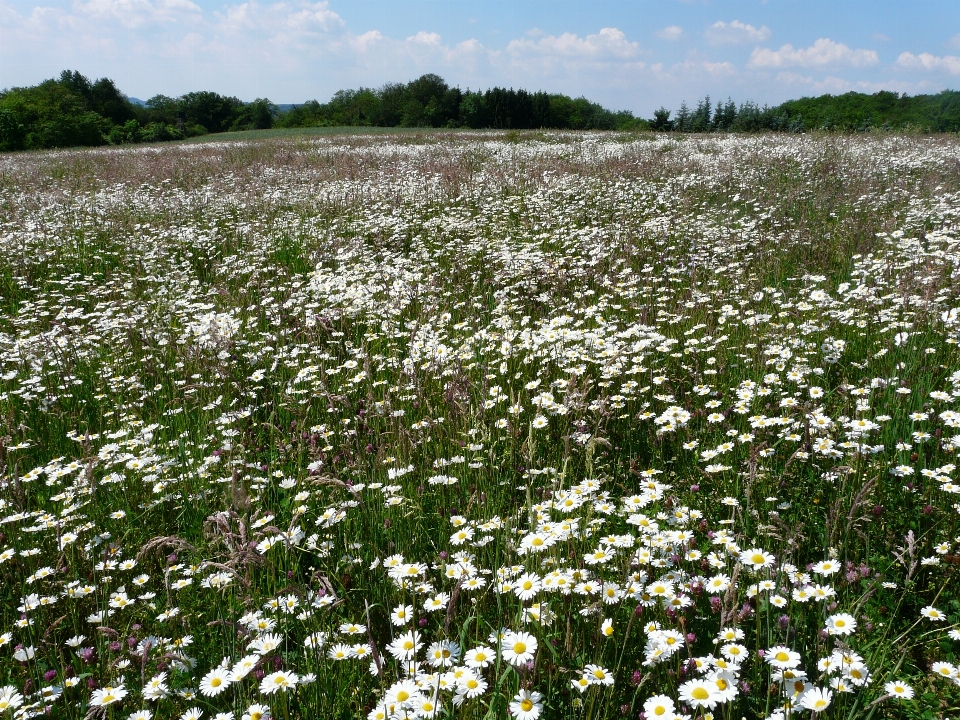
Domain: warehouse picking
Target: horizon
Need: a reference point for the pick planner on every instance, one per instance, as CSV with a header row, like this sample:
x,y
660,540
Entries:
x,y
691,104
635,56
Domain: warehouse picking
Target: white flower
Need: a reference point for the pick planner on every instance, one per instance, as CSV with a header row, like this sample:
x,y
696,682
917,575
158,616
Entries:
x,y
526,705
280,680
108,696
841,624
25,653
215,682
518,648
700,693
659,706
899,689
479,657
816,699
598,675
10,699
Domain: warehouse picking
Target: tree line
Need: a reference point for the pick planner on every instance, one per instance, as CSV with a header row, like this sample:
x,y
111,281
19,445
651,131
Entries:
x,y
73,110
429,101
850,112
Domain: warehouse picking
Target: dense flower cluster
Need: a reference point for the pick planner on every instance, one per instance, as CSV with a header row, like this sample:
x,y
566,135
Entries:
x,y
579,425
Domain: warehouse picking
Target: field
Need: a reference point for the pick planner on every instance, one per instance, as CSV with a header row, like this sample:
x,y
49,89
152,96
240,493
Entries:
x,y
481,426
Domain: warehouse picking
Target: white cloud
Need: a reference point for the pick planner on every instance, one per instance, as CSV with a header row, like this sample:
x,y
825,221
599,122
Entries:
x,y
832,84
425,38
829,84
735,33
715,69
673,32
283,19
608,44
926,61
137,13
822,53
363,43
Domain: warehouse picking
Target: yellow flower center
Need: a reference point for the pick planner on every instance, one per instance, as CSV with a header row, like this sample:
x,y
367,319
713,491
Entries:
x,y
519,648
526,705
700,694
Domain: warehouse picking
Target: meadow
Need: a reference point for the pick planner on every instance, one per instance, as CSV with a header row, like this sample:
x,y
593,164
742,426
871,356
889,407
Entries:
x,y
481,426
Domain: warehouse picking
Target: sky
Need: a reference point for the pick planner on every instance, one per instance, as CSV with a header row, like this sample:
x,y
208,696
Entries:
x,y
633,55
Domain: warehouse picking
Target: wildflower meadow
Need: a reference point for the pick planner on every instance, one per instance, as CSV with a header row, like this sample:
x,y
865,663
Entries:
x,y
481,426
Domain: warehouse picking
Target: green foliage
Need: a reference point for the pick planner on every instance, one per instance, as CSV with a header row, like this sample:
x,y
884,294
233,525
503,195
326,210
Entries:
x,y
13,133
49,115
73,110
429,102
850,112
257,115
887,110
213,112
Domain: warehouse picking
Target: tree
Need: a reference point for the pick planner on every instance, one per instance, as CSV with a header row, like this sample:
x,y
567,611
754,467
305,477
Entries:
x,y
724,115
700,120
210,111
661,120
390,110
51,114
13,133
473,110
682,122
257,115
542,117
163,109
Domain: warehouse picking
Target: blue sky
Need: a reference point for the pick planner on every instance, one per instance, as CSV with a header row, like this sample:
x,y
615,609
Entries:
x,y
635,55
